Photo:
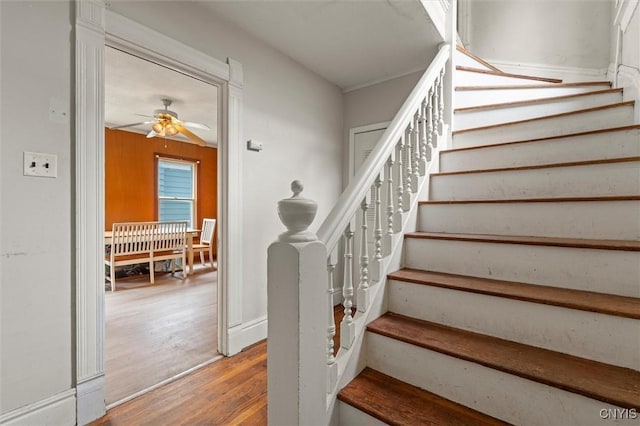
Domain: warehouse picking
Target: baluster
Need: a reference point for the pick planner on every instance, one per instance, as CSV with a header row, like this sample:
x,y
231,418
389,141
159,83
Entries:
x,y
406,201
408,161
441,104
434,113
388,239
363,286
375,265
415,135
430,119
425,149
332,367
397,220
347,331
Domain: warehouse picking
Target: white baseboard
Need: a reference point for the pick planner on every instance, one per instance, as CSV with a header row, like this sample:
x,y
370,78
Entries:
x,y
247,334
551,71
91,399
58,409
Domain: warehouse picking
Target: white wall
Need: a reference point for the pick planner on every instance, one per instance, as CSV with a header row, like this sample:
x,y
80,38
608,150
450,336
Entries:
x,y
629,66
374,104
296,114
555,34
36,213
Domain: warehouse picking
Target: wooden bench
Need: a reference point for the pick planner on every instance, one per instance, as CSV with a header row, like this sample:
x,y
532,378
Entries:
x,y
146,242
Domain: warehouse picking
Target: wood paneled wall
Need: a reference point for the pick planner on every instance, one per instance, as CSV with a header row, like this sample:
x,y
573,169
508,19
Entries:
x,y
130,176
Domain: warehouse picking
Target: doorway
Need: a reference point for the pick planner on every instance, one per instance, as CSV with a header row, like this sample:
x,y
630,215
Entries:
x,y
155,333
95,27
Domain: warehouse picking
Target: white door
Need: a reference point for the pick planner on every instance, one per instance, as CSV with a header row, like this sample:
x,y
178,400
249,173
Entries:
x,y
362,141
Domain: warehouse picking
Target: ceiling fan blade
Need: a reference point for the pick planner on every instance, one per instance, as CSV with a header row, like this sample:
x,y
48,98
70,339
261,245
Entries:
x,y
151,134
192,136
195,125
130,125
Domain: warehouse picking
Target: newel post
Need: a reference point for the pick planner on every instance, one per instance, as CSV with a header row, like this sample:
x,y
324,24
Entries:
x,y
297,325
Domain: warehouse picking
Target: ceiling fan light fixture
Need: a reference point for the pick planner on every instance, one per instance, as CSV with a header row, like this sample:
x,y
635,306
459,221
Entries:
x,y
157,127
171,130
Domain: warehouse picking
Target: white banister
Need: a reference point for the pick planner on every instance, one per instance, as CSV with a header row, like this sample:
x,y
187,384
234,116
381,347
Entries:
x,y
301,267
331,229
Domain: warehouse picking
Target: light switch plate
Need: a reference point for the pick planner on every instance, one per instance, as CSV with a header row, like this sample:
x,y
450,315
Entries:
x,y
40,164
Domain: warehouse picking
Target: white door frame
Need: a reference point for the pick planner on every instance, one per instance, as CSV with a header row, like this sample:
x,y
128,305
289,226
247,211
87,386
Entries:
x,y
94,27
352,140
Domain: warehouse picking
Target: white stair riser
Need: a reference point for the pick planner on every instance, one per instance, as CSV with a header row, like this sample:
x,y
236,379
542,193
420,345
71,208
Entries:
x,y
351,416
614,220
487,117
574,123
604,338
505,396
463,60
469,98
621,178
603,271
470,78
577,148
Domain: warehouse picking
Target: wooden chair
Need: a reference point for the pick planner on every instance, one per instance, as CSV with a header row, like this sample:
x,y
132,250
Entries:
x,y
206,240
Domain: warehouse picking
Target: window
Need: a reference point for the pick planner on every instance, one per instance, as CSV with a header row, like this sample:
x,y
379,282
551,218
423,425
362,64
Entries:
x,y
177,190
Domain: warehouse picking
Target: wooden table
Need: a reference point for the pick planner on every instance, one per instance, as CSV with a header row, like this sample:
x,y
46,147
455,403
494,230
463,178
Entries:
x,y
190,234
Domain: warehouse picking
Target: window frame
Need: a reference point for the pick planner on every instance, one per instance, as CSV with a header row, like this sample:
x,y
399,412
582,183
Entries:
x,y
196,187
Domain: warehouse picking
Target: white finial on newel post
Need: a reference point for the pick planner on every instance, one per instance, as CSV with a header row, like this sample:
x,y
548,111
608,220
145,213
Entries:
x,y
297,307
297,213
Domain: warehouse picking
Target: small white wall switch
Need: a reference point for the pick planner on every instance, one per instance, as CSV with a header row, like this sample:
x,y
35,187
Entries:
x,y
39,164
254,146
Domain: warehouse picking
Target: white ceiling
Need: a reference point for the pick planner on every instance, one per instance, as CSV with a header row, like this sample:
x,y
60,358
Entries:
x,y
349,42
135,86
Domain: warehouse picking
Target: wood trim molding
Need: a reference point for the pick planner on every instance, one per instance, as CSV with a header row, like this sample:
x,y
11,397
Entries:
x,y
623,306
623,245
624,13
554,71
477,58
57,409
89,191
535,101
604,198
96,26
546,117
541,166
504,74
534,86
352,137
547,138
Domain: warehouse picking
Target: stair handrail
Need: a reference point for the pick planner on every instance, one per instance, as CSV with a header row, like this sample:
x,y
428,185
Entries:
x,y
347,205
302,266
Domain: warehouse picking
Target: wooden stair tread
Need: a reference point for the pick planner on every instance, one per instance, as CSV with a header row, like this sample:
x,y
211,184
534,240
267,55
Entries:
x,y
534,101
622,306
624,245
533,86
398,403
542,166
476,58
599,198
547,138
615,385
546,117
504,74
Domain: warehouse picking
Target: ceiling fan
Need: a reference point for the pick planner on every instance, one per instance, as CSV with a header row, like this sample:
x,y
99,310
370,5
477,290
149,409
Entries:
x,y
165,123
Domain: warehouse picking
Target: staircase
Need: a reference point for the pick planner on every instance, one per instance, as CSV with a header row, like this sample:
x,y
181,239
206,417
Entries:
x,y
520,298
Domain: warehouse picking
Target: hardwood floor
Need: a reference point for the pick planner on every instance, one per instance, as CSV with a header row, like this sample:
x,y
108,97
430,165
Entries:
x,y
154,332
232,391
